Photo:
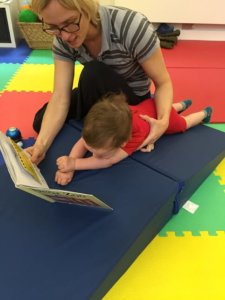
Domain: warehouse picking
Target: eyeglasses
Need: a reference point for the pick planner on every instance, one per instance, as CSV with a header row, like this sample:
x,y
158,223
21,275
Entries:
x,y
69,28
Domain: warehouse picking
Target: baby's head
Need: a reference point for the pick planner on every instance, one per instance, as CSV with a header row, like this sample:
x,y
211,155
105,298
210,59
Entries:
x,y
107,125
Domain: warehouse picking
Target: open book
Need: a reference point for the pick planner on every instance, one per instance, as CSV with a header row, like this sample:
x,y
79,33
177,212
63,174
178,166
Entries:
x,y
27,177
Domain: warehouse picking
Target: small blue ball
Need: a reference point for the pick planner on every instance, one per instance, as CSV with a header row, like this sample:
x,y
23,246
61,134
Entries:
x,y
14,134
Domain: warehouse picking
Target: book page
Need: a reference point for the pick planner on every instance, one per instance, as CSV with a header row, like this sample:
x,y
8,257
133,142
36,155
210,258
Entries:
x,y
25,161
62,196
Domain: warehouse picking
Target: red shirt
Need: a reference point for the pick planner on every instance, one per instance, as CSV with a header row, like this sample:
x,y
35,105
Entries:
x,y
141,128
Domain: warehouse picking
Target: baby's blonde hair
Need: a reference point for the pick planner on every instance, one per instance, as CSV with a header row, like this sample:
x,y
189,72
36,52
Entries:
x,y
108,123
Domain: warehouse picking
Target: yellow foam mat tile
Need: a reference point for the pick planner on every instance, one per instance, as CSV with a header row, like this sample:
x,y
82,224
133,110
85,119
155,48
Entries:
x,y
178,268
220,171
37,78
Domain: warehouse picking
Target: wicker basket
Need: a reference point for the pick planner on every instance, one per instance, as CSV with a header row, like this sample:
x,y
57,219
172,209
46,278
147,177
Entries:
x,y
35,37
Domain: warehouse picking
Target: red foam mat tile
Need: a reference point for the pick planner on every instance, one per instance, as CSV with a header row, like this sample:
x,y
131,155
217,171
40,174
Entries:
x,y
196,54
17,109
206,87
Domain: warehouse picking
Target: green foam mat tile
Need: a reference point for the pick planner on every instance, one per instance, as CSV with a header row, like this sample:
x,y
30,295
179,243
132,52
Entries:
x,y
220,127
40,57
6,73
208,217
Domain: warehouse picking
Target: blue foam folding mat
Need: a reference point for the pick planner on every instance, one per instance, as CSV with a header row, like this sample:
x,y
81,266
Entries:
x,y
187,158
76,124
57,251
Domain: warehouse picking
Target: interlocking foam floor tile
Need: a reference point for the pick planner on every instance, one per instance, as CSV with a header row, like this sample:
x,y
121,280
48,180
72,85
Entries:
x,y
40,57
15,55
17,109
220,172
204,86
36,78
208,217
6,73
178,268
196,54
220,127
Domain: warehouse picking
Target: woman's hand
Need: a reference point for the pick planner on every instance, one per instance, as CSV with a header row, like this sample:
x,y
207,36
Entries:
x,y
158,127
37,153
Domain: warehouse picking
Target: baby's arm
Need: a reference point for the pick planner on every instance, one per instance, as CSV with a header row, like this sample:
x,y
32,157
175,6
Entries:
x,y
63,178
99,163
78,149
66,163
147,148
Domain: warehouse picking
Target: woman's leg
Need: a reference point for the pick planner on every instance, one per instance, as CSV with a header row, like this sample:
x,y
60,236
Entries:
x,y
96,80
39,117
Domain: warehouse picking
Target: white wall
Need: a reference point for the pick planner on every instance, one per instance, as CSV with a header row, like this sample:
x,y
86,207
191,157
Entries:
x,y
179,11
206,17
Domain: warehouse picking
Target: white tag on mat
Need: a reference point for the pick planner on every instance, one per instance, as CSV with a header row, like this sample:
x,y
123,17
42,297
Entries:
x,y
191,207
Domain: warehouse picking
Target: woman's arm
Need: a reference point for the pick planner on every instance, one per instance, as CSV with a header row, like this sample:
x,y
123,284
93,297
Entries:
x,y
155,68
56,111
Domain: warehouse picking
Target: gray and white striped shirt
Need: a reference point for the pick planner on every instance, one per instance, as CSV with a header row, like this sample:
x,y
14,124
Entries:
x,y
128,39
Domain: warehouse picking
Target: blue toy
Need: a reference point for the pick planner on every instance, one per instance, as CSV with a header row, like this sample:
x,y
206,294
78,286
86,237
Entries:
x,y
15,134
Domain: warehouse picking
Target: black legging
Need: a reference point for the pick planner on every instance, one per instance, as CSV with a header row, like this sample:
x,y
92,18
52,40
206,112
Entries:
x,y
96,80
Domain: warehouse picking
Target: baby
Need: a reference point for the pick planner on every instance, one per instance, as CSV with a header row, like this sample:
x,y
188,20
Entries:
x,y
113,130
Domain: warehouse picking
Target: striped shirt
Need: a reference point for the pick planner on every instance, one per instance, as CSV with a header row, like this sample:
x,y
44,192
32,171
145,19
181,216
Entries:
x,y
128,39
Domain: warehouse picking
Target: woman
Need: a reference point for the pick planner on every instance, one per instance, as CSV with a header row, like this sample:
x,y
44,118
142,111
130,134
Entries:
x,y
120,52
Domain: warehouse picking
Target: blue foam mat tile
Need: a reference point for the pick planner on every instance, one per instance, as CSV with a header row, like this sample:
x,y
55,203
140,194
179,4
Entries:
x,y
56,251
15,55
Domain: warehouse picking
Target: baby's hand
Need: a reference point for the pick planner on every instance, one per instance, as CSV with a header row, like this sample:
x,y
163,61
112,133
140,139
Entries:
x,y
63,178
65,163
148,148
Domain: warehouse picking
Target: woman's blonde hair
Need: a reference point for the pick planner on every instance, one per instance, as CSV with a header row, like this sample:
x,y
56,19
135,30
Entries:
x,y
88,7
108,123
